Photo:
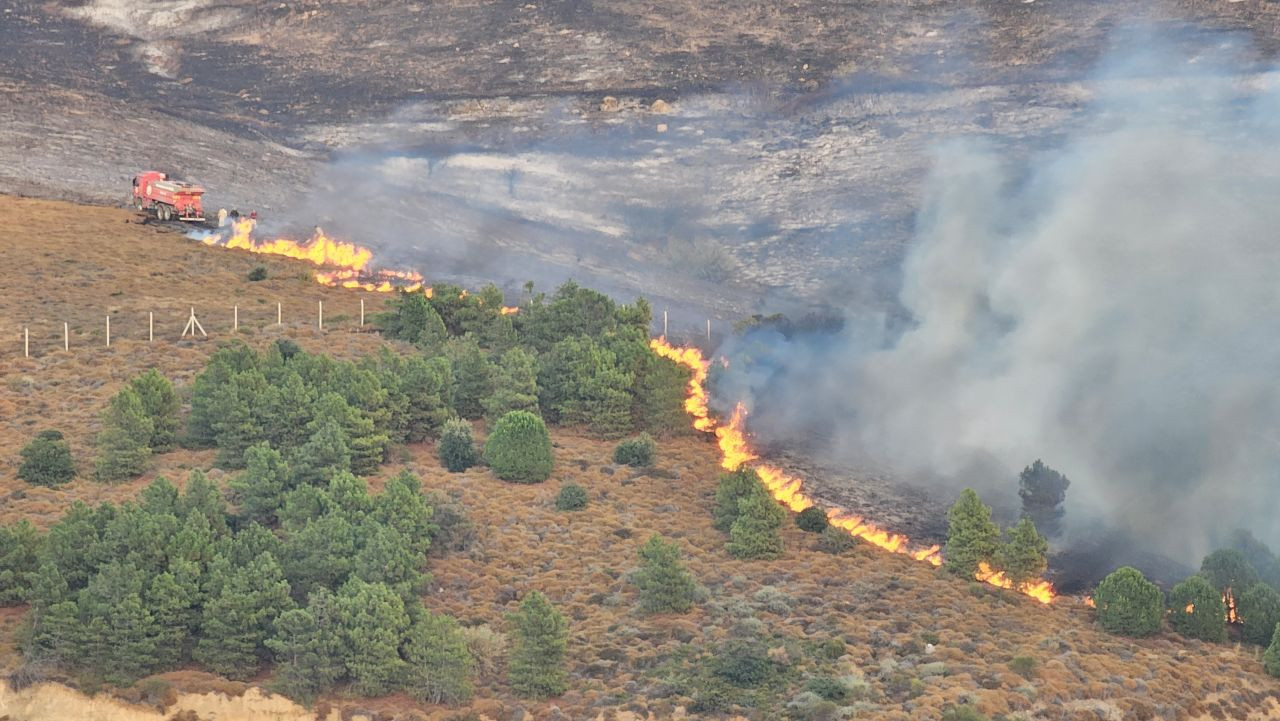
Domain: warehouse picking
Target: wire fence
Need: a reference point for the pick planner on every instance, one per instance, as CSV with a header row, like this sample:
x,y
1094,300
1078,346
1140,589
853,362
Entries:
x,y
65,336
40,339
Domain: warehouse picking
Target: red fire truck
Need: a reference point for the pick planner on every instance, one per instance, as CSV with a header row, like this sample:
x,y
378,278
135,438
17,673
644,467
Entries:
x,y
154,192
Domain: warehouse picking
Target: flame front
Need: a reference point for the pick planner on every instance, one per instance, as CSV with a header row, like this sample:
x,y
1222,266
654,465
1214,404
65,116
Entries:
x,y
347,264
735,450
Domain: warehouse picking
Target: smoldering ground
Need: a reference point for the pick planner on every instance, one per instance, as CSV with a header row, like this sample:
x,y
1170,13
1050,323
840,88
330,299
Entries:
x,y
1110,305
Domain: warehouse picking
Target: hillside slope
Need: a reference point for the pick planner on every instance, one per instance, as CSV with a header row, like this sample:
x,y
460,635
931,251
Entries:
x,y
920,640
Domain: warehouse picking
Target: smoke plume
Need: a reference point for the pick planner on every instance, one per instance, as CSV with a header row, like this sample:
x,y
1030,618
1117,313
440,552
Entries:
x,y
1109,304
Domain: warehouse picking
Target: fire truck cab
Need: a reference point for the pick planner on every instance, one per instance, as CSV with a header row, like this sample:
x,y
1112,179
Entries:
x,y
154,192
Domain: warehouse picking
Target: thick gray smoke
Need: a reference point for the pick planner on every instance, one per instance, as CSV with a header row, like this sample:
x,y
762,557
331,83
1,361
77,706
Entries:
x,y
1111,305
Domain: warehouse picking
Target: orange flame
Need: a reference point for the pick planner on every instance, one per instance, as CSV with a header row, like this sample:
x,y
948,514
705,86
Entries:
x,y
350,262
735,450
1088,601
1191,608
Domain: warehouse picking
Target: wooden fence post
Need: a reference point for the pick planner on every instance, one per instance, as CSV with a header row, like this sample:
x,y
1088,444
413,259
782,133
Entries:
x,y
664,324
66,337
235,319
151,326
320,314
26,342
708,330
362,312
108,331
278,314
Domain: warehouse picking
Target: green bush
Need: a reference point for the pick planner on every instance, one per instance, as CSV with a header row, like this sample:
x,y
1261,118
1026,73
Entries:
x,y
1259,609
835,541
1205,620
638,451
666,586
515,386
1128,604
258,273
813,520
572,497
46,460
1271,659
457,446
519,449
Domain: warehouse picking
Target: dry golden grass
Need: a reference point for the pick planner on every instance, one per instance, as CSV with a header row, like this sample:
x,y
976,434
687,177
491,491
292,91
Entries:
x,y
883,606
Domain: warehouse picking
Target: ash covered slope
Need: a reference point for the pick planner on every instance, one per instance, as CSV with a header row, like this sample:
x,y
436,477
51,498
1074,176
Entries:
x,y
797,139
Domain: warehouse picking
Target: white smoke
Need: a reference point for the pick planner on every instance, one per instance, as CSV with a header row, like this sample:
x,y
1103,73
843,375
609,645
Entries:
x,y
1111,305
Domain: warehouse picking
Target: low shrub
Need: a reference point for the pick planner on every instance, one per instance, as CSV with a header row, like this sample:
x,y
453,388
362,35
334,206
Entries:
x,y
1271,659
46,460
773,600
831,688
812,519
1024,666
488,649
457,446
453,530
742,662
835,541
258,273
810,706
962,713
638,451
572,497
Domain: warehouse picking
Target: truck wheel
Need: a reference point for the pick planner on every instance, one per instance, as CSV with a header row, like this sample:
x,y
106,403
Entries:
x,y
165,213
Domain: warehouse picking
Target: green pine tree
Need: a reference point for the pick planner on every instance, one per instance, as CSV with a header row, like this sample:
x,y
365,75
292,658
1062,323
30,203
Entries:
x,y
1128,604
427,383
223,364
972,537
238,619
1043,490
308,648
324,454
287,410
239,418
172,598
386,556
367,445
666,586
1228,570
1022,556
19,561
733,487
1271,659
660,390
161,405
438,661
374,621
472,377
540,637
119,638
320,553
1259,609
1196,610
413,319
123,450
202,497
515,386
403,507
261,489
46,460
754,533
